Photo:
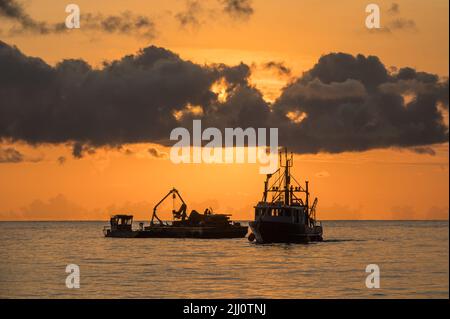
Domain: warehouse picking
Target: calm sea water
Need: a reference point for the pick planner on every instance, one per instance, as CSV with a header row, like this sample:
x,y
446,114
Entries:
x,y
413,258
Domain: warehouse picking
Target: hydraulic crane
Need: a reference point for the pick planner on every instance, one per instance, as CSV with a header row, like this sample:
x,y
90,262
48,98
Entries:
x,y
177,214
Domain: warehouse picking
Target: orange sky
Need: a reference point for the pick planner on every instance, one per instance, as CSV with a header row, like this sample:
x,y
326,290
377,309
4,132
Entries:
x,y
377,184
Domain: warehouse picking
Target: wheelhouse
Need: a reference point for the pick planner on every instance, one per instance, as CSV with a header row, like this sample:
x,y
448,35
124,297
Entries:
x,y
281,213
121,222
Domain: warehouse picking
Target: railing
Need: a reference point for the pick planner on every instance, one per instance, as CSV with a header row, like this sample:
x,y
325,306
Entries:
x,y
106,230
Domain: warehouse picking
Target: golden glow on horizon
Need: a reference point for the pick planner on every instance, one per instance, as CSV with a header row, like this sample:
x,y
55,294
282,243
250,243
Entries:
x,y
378,184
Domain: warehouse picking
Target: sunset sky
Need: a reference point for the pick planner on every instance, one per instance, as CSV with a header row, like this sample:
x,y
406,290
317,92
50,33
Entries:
x,y
390,172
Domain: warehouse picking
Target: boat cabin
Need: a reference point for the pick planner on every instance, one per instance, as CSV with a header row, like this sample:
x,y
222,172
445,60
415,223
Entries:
x,y
121,222
281,213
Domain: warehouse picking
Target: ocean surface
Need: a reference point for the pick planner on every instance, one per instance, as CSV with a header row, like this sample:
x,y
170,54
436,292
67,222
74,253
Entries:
x,y
413,258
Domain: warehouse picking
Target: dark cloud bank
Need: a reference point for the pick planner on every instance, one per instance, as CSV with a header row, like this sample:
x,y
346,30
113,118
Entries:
x,y
344,103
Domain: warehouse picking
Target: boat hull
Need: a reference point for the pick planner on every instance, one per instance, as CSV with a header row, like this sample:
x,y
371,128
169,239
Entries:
x,y
182,232
279,232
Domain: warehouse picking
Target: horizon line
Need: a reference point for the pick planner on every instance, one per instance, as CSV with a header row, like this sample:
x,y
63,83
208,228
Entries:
x,y
239,220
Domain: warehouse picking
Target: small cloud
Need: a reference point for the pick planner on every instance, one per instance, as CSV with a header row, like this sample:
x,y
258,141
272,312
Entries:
x,y
79,149
394,9
190,16
402,24
156,153
196,13
399,24
238,9
280,67
10,155
424,150
61,160
395,24
323,174
125,23
128,152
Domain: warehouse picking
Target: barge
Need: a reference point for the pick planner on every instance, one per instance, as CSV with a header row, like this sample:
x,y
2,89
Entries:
x,y
196,225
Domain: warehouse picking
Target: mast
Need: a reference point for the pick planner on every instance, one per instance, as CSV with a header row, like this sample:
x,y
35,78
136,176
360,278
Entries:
x,y
286,180
307,196
266,183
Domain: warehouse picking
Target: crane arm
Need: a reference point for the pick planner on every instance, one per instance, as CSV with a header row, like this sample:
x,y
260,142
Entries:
x,y
173,192
312,211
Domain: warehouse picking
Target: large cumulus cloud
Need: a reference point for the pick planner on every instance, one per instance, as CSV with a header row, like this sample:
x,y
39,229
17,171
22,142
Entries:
x,y
128,101
344,103
352,103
